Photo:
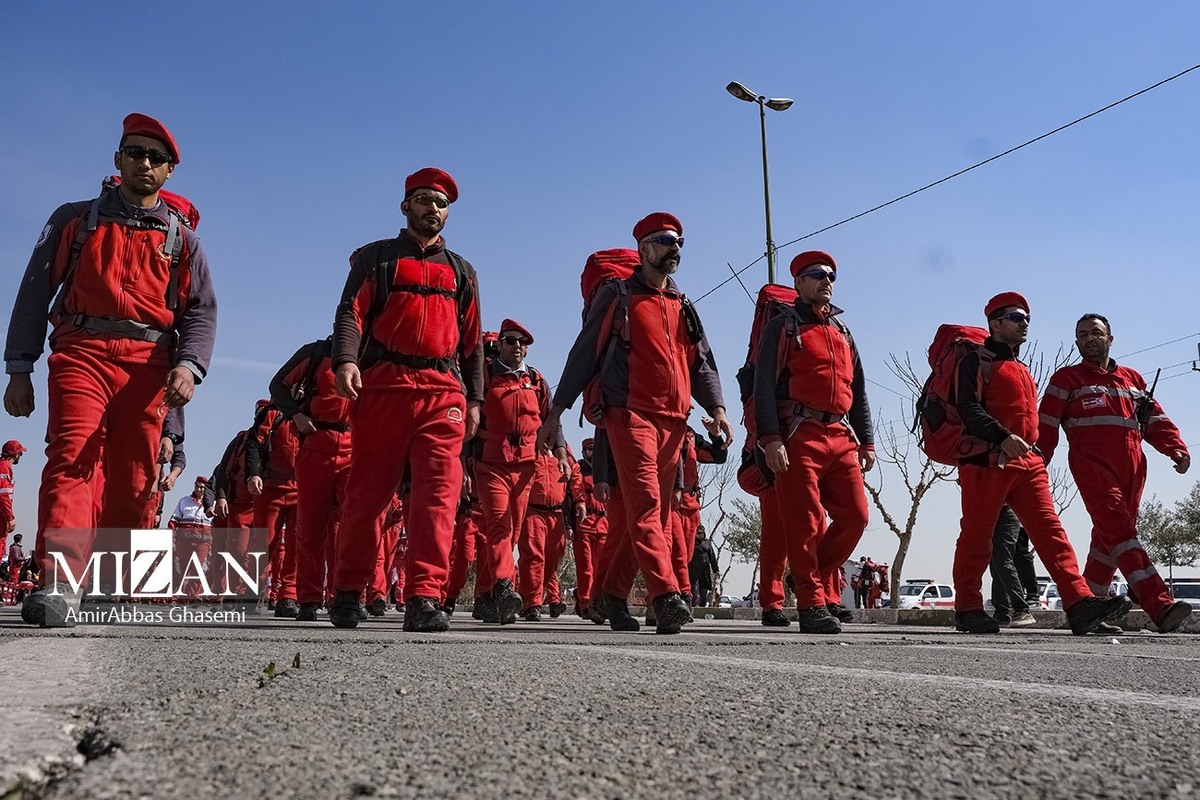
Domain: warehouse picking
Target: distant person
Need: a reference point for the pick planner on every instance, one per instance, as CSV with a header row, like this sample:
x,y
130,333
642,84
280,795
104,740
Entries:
x,y
703,566
1106,411
16,559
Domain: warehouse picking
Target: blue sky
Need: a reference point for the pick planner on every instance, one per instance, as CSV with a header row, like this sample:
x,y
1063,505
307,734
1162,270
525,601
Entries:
x,y
565,122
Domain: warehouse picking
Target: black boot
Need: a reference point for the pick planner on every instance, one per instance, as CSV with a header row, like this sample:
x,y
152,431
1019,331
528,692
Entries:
x,y
975,622
51,607
508,601
287,609
448,607
557,610
343,612
597,611
308,612
818,620
1086,615
424,615
842,613
378,607
619,618
485,609
775,618
671,612
532,614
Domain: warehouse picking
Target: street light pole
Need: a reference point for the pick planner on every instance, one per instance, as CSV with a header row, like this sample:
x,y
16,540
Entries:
x,y
775,104
762,119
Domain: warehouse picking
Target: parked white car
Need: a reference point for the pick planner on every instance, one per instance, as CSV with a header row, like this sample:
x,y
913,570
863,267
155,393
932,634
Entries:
x,y
926,594
1187,589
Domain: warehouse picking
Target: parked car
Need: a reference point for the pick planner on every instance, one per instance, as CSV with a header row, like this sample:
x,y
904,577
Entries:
x,y
1049,598
1187,589
921,593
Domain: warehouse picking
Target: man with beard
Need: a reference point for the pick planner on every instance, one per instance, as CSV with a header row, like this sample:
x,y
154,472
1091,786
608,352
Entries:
x,y
997,401
408,353
134,316
814,425
643,344
1106,412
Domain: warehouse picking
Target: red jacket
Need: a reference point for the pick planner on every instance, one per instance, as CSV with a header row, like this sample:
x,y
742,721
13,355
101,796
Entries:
x,y
1098,407
328,411
818,369
427,315
6,494
660,371
514,406
271,449
1006,406
550,487
122,273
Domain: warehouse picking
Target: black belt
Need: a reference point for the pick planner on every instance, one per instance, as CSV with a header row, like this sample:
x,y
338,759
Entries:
x,y
340,427
597,512
377,352
545,509
824,417
122,327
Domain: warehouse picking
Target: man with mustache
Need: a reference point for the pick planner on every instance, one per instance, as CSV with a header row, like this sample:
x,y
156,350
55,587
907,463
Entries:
x,y
1097,402
643,344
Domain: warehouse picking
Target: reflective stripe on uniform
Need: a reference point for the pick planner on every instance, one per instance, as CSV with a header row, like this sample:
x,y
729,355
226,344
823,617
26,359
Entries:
x,y
1055,391
1143,574
1102,557
1112,391
1088,422
1047,419
1125,547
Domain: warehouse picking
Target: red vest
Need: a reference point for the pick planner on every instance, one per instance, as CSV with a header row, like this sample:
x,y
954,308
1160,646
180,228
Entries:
x,y
513,409
821,369
660,354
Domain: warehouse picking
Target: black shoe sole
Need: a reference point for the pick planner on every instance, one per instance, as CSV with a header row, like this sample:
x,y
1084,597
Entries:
x,y
1177,613
344,618
672,620
508,606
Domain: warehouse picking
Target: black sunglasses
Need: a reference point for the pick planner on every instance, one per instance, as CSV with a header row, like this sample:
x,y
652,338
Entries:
x,y
135,153
666,240
1016,316
429,200
513,341
820,274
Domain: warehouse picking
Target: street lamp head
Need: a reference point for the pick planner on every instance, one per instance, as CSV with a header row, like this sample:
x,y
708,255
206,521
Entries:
x,y
780,103
741,92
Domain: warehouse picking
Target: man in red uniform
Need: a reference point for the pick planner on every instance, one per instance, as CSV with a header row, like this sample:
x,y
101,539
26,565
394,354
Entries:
x,y
406,343
686,515
303,390
814,424
997,400
271,449
516,400
543,539
134,322
645,346
233,513
10,455
590,529
1100,403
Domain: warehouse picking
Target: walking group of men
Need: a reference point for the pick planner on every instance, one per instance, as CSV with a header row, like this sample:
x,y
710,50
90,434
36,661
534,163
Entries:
x,y
402,414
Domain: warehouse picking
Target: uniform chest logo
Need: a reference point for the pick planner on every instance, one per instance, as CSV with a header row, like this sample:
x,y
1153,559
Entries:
x,y
1093,403
45,236
454,414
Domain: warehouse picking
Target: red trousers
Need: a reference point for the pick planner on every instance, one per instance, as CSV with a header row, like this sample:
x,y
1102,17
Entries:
x,y
1110,482
543,536
586,544
503,495
467,539
823,478
275,512
1024,487
393,427
104,423
198,541
772,552
645,449
391,555
321,486
231,535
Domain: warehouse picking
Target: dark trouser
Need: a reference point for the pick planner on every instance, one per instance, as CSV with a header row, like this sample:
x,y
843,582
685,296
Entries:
x,y
861,597
1025,569
701,590
1008,592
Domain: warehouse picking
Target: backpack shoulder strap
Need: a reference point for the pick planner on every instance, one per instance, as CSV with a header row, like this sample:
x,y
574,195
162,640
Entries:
x,y
464,291
691,319
309,386
86,227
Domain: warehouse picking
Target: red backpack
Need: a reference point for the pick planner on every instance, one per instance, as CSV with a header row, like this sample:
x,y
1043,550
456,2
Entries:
x,y
942,435
602,267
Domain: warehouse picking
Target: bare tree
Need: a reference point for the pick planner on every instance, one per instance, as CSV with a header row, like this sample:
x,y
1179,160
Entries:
x,y
716,484
742,537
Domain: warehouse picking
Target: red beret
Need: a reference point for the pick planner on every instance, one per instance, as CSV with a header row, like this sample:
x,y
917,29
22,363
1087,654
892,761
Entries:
x,y
141,125
263,403
1004,300
12,447
658,221
588,442
810,258
513,325
431,178
201,479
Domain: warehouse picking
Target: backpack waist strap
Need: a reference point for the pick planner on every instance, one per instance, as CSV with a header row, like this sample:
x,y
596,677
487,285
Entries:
x,y
122,327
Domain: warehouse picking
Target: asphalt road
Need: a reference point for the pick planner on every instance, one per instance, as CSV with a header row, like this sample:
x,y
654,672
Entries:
x,y
564,709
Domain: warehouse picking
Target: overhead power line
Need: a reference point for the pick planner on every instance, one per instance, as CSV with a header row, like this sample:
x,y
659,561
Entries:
x,y
963,171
